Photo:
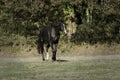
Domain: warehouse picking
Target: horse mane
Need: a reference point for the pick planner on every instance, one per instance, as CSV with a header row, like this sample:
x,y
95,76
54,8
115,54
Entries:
x,y
56,24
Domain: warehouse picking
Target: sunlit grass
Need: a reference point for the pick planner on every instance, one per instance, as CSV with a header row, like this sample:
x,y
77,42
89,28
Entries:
x,y
69,70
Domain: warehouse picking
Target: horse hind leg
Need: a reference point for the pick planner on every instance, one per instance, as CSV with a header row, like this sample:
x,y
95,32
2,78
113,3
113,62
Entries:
x,y
41,51
47,56
47,53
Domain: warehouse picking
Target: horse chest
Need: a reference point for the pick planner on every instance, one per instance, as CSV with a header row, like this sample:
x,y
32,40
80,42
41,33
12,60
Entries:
x,y
54,35
54,39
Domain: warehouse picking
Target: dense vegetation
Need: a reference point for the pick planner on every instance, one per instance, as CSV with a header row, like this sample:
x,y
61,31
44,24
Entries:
x,y
94,20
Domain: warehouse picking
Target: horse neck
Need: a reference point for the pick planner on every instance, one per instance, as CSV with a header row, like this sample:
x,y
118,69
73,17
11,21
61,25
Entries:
x,y
57,31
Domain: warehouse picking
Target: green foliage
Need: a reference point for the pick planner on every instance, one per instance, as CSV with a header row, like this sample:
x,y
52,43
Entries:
x,y
96,20
105,26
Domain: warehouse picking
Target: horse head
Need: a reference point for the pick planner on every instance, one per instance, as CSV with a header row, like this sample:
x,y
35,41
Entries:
x,y
61,27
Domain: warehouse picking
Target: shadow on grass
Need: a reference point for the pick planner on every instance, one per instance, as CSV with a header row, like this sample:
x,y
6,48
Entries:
x,y
60,60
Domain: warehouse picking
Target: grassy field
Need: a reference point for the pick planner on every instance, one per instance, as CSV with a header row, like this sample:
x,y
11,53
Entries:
x,y
66,68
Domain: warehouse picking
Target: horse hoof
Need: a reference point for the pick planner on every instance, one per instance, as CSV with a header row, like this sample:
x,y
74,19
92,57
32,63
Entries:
x,y
43,59
54,59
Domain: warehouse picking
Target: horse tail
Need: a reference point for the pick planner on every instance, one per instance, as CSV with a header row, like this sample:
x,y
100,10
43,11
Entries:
x,y
38,49
40,46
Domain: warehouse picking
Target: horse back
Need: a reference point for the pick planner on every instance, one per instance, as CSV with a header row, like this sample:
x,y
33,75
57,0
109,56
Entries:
x,y
44,34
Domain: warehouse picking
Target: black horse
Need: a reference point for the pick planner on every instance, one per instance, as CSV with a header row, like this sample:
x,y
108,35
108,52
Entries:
x,y
50,35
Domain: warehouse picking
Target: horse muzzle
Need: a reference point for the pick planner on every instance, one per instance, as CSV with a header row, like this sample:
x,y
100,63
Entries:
x,y
65,33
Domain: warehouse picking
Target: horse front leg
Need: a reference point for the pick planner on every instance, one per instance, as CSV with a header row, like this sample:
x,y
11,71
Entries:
x,y
43,58
54,50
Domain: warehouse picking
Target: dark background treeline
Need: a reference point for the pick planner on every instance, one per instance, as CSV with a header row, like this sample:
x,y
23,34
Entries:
x,y
94,20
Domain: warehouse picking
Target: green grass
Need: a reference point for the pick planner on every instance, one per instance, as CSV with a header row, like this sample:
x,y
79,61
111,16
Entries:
x,y
97,69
